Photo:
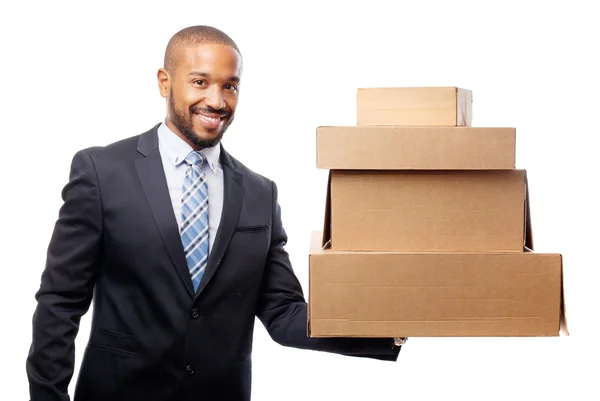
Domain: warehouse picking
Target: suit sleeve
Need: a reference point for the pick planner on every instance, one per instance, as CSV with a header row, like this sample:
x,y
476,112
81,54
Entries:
x,y
67,283
283,310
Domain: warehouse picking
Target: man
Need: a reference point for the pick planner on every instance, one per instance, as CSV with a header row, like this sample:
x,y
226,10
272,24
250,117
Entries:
x,y
180,246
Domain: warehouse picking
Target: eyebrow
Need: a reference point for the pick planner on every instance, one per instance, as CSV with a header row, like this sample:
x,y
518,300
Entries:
x,y
206,75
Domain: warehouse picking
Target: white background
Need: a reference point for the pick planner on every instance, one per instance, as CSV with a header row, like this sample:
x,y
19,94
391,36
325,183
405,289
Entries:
x,y
81,74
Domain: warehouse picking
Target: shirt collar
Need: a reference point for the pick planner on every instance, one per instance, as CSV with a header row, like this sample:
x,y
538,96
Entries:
x,y
177,149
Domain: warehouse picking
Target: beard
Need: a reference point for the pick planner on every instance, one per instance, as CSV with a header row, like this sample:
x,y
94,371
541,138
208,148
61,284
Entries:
x,y
184,123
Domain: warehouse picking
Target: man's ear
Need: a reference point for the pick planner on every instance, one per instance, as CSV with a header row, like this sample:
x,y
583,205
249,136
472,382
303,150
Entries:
x,y
164,82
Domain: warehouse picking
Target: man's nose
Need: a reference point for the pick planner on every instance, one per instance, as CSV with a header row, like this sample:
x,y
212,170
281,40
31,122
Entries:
x,y
214,98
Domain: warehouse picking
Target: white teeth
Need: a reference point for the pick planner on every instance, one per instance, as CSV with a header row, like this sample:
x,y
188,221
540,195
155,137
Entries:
x,y
210,119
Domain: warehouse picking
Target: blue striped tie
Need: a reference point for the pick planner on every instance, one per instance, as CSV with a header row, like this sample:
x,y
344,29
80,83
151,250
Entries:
x,y
194,217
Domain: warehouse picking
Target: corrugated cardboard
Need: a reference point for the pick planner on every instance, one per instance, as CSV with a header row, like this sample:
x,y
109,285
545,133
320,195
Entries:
x,y
428,211
431,106
403,294
419,148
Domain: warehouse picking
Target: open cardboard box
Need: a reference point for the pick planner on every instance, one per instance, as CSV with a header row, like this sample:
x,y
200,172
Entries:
x,y
434,294
433,210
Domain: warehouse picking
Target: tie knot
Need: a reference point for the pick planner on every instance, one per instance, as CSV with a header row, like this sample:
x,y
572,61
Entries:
x,y
195,158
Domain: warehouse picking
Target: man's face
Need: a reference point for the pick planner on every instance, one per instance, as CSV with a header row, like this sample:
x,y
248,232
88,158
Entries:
x,y
202,93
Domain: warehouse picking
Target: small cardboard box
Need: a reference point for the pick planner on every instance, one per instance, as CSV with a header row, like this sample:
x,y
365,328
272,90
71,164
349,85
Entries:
x,y
431,106
455,294
418,148
428,211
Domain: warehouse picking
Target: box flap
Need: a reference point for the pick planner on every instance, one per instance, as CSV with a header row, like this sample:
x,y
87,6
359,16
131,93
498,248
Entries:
x,y
309,291
564,329
464,111
326,238
528,234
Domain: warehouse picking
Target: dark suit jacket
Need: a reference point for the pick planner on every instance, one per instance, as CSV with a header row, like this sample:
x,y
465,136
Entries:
x,y
152,338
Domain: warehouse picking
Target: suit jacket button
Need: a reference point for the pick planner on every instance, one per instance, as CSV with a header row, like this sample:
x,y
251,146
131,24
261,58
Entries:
x,y
195,313
189,369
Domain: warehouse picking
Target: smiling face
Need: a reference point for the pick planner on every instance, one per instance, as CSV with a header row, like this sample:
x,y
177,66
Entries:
x,y
202,92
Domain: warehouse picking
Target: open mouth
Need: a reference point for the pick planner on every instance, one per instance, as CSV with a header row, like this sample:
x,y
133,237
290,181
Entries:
x,y
210,121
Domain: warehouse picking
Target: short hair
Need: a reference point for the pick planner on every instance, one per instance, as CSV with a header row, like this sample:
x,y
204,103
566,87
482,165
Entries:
x,y
194,35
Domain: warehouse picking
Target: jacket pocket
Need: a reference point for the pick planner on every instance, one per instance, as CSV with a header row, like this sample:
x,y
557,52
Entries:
x,y
252,228
113,341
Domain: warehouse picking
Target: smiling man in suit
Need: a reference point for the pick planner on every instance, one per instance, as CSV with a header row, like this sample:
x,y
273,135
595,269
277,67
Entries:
x,y
180,246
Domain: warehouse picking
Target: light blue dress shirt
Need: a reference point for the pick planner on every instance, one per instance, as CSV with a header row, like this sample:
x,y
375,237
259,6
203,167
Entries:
x,y
173,151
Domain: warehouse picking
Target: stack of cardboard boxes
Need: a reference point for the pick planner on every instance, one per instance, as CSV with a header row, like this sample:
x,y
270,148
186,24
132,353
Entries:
x,y
427,228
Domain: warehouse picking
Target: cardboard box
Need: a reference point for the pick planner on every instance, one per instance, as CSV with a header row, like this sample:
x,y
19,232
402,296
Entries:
x,y
403,294
431,106
428,211
419,148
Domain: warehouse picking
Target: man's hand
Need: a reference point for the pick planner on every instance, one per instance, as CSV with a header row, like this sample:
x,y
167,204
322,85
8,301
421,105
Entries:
x,y
398,341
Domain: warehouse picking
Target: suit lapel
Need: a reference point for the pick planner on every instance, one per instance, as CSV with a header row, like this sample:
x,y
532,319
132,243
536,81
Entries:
x,y
153,180
232,202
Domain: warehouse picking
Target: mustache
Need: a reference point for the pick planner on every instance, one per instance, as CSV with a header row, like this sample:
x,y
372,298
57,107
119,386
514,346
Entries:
x,y
208,110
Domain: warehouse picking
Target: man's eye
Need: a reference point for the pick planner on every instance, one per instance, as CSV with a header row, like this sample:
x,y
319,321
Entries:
x,y
199,82
231,87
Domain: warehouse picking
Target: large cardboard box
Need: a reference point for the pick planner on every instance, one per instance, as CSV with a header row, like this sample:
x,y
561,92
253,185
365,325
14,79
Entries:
x,y
428,211
418,148
405,294
432,106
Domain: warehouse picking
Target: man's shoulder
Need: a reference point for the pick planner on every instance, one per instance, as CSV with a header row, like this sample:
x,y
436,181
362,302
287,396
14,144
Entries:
x,y
121,149
251,177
